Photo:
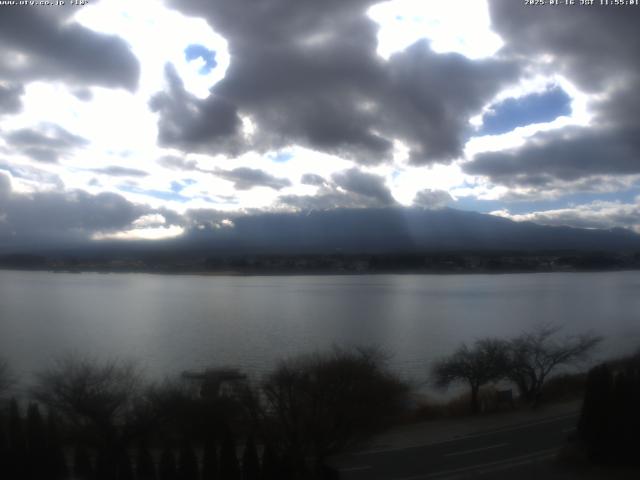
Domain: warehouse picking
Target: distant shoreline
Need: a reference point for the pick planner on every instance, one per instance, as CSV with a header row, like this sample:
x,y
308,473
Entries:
x,y
275,273
415,263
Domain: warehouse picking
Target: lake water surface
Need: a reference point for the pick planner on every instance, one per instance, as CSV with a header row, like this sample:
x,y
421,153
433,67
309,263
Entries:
x,y
172,323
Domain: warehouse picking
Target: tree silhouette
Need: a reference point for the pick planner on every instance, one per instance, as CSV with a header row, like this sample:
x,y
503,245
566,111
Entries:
x,y
56,461
321,404
187,463
167,469
82,466
4,446
484,362
97,397
624,425
535,354
125,469
596,408
17,461
6,379
210,467
103,402
609,420
145,466
250,461
269,464
229,468
36,437
288,467
106,465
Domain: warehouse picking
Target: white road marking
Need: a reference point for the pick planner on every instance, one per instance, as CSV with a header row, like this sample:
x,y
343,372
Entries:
x,y
485,467
464,437
355,469
465,452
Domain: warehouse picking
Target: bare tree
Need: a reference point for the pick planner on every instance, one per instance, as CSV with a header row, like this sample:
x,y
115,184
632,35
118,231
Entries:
x,y
484,362
324,403
177,405
535,354
98,397
6,379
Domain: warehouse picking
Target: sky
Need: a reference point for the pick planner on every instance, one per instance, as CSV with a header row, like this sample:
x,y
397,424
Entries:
x,y
150,119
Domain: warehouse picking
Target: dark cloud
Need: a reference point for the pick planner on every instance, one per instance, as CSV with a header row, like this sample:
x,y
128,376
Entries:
x,y
548,188
53,47
83,94
5,189
61,216
46,144
43,155
190,123
307,73
591,45
50,136
348,189
366,185
117,171
177,163
10,98
198,218
599,215
610,147
568,155
327,200
40,177
246,178
432,199
596,48
243,178
313,179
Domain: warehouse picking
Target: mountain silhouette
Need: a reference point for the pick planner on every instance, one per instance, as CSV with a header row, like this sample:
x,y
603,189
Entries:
x,y
354,231
397,230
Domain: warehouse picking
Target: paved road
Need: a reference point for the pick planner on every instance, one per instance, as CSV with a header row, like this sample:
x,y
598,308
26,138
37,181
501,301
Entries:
x,y
482,452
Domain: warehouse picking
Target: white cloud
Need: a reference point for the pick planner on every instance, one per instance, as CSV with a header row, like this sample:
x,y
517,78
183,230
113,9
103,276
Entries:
x,y
461,26
151,220
150,233
152,226
122,131
406,182
597,214
581,114
158,35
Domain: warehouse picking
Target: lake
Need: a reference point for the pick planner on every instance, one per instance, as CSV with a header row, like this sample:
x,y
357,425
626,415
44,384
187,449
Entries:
x,y
172,323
